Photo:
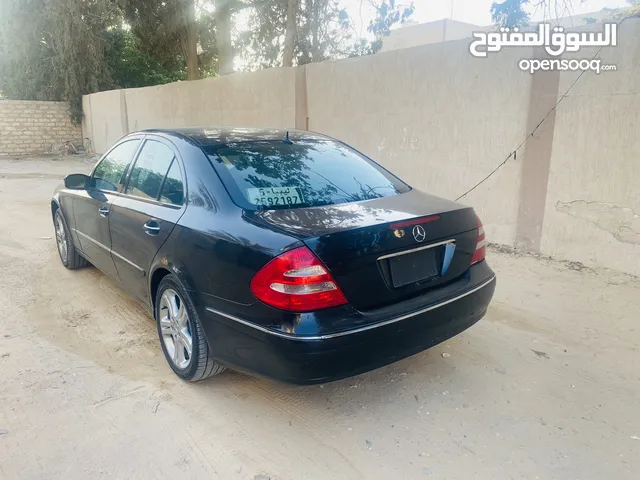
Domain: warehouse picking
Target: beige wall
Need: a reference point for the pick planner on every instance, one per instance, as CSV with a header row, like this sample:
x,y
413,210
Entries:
x,y
592,212
432,32
28,127
260,99
104,118
442,120
418,112
445,30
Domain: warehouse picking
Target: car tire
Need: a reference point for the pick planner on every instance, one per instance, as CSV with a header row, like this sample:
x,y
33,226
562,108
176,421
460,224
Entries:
x,y
69,256
174,330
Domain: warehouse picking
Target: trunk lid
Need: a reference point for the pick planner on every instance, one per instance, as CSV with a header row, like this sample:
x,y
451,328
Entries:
x,y
373,248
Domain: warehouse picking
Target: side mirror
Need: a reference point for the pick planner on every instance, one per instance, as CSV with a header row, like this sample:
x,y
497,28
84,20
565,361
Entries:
x,y
76,181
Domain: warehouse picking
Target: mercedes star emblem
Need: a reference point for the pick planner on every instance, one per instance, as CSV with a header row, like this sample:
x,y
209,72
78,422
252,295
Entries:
x,y
419,234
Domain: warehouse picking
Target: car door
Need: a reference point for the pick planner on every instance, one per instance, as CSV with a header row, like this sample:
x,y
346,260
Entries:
x,y
91,207
142,218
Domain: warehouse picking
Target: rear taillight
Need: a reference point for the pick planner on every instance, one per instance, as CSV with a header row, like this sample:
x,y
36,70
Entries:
x,y
481,245
297,281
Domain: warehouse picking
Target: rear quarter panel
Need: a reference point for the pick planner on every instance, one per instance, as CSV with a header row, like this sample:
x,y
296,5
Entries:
x,y
214,249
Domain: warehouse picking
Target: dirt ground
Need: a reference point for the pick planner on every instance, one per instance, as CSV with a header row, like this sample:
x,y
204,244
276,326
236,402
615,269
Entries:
x,y
546,386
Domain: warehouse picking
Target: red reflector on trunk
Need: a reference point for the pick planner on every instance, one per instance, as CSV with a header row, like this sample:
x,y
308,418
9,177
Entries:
x,y
297,281
481,245
415,221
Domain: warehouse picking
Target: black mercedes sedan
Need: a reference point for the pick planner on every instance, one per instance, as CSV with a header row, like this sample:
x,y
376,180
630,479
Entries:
x,y
286,254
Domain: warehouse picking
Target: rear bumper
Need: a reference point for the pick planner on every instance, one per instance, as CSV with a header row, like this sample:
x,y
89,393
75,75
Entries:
x,y
317,359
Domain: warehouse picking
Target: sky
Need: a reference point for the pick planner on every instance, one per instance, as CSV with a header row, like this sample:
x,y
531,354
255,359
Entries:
x,y
470,11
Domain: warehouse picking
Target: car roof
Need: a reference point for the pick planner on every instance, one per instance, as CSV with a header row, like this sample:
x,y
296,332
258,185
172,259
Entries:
x,y
215,136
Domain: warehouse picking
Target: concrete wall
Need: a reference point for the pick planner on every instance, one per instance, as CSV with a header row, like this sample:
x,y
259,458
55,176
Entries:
x,y
592,207
105,118
418,112
426,33
35,127
443,120
262,99
415,35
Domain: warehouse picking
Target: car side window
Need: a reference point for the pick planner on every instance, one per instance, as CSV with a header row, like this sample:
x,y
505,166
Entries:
x,y
149,170
173,188
108,175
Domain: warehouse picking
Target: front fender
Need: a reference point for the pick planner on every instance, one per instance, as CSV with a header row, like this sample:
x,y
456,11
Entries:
x,y
62,199
55,201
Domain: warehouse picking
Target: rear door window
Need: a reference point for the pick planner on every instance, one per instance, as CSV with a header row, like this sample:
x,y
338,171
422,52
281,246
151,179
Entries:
x,y
278,174
108,174
173,188
150,170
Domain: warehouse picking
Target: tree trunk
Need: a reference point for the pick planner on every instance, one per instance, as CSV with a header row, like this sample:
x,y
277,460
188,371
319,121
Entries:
x,y
192,42
315,30
223,37
290,33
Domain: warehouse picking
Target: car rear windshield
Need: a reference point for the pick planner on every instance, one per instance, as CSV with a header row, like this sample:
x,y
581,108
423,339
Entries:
x,y
281,174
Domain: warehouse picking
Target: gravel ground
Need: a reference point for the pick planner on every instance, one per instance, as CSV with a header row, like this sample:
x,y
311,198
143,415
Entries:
x,y
546,386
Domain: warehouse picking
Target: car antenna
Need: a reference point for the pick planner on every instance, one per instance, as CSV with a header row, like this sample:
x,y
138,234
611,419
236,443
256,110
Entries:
x,y
287,140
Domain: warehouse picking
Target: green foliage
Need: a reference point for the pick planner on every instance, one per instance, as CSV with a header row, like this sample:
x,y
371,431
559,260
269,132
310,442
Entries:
x,y
54,50
387,15
131,66
634,11
161,30
510,13
207,57
63,49
262,42
324,31
159,27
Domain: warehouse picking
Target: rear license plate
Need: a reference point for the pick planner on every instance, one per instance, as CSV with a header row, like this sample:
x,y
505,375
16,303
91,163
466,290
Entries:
x,y
413,267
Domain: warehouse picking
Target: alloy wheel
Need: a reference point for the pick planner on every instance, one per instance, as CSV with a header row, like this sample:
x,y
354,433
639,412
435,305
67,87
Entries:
x,y
61,238
175,329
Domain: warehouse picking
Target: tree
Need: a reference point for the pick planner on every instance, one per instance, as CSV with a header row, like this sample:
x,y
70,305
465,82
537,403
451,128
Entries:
x,y
325,31
261,41
55,50
131,66
223,13
167,31
387,15
632,11
207,44
510,13
290,33
190,46
318,30
63,49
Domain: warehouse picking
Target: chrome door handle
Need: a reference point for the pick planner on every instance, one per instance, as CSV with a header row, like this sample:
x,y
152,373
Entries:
x,y
103,211
151,227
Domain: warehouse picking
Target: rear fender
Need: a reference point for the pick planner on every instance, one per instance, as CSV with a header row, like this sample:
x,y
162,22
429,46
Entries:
x,y
165,262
